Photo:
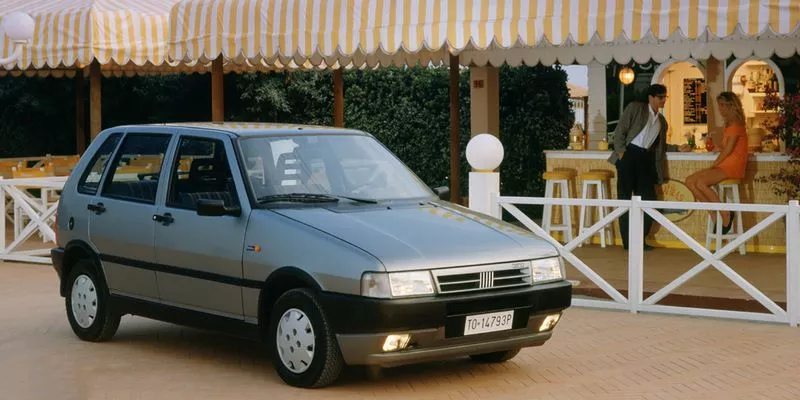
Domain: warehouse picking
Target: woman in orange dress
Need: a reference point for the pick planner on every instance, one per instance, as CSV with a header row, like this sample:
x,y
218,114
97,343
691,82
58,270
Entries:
x,y
731,161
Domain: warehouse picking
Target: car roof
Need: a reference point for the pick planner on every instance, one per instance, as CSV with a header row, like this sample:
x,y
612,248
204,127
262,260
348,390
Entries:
x,y
248,129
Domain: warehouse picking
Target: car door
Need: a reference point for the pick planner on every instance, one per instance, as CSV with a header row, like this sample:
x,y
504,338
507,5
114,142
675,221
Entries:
x,y
201,256
121,215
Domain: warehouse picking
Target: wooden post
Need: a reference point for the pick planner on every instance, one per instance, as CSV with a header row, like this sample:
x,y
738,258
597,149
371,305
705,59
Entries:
x,y
338,98
95,100
217,91
715,84
455,132
80,113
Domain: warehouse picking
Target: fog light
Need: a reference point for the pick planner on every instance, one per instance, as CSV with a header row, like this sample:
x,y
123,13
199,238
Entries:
x,y
396,342
549,322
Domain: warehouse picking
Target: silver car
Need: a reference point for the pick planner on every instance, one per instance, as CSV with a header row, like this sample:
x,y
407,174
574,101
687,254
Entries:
x,y
316,240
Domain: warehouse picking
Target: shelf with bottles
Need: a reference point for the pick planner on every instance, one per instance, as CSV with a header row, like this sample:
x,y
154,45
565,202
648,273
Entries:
x,y
757,78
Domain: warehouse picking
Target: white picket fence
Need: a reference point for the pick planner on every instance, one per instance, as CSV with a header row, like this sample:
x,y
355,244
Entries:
x,y
636,208
29,215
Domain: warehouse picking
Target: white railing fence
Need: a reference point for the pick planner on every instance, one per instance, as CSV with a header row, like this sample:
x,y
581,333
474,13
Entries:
x,y
29,215
636,208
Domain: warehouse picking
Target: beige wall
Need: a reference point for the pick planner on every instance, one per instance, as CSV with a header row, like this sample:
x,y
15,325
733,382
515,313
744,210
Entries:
x,y
484,100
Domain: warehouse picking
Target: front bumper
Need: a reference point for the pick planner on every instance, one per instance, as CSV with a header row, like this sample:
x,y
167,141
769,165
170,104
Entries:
x,y
436,324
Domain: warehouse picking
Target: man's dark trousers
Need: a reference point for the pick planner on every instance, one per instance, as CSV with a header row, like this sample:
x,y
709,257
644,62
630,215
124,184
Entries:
x,y
636,174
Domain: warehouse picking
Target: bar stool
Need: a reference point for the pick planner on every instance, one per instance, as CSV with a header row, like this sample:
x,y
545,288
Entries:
x,y
597,179
731,185
560,178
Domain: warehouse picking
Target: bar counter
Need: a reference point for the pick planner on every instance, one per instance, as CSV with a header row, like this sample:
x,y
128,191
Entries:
x,y
679,166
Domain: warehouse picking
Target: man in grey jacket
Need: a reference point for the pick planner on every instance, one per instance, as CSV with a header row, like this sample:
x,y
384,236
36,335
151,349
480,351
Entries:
x,y
640,148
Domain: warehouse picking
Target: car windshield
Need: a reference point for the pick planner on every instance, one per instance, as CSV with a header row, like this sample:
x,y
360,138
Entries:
x,y
354,167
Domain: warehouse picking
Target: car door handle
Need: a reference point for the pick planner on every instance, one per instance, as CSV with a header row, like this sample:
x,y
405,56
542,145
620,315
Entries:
x,y
165,218
98,208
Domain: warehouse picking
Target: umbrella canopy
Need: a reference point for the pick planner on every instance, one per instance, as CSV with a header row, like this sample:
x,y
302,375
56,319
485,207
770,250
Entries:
x,y
483,31
76,32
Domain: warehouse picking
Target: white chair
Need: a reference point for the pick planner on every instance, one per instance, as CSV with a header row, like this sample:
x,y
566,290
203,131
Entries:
x,y
732,186
560,179
597,180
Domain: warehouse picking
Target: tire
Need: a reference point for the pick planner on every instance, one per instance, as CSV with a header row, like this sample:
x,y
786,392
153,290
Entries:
x,y
297,317
495,357
90,314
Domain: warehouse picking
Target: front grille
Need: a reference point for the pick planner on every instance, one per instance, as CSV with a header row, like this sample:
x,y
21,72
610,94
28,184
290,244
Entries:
x,y
482,277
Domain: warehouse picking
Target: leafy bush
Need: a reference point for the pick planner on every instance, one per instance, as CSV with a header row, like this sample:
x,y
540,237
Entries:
x,y
534,116
405,108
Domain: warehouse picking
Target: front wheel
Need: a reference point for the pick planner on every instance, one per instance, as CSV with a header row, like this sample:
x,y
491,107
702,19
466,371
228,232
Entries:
x,y
495,357
304,351
88,304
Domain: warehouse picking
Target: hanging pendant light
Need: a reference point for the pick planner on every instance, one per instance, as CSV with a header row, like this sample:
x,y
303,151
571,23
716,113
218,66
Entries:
x,y
626,75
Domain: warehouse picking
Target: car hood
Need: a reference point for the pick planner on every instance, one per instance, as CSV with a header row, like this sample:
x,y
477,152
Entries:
x,y
424,236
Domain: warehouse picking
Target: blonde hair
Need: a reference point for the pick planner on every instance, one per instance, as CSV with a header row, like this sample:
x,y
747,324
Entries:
x,y
731,98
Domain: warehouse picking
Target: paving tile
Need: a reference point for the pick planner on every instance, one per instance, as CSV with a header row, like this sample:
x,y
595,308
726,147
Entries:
x,y
594,354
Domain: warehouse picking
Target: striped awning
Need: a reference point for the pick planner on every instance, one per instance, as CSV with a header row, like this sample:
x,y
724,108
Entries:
x,y
494,31
75,32
111,69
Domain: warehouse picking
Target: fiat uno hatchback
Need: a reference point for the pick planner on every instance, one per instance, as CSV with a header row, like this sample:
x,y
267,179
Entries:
x,y
316,240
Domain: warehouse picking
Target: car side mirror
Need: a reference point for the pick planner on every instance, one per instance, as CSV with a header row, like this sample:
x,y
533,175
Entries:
x,y
215,208
443,192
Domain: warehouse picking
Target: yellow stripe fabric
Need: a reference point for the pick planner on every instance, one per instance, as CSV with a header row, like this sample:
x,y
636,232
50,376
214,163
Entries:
x,y
155,31
69,32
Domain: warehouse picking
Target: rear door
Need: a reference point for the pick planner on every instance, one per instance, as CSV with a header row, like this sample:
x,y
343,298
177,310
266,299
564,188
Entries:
x,y
121,215
200,257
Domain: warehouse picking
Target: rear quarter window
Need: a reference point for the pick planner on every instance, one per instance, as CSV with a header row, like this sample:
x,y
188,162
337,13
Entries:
x,y
94,171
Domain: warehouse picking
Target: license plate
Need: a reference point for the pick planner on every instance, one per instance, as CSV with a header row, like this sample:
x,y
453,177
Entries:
x,y
491,322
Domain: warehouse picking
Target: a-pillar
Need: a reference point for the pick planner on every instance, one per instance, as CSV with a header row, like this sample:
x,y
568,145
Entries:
x,y
596,123
715,84
484,95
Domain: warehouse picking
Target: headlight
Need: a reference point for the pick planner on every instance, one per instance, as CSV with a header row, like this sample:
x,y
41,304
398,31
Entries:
x,y
546,269
396,284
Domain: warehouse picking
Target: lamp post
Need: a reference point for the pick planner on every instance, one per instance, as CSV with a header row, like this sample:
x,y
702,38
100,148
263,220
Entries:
x,y
484,154
18,26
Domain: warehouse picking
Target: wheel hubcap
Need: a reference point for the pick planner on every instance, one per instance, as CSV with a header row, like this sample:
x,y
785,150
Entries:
x,y
295,339
84,301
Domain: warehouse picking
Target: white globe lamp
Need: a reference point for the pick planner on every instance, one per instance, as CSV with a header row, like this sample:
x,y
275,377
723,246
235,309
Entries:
x,y
19,27
485,152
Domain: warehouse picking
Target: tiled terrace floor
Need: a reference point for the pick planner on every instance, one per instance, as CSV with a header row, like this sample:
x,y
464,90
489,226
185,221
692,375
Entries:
x,y
594,354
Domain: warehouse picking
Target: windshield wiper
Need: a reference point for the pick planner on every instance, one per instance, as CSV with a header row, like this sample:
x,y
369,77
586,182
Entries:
x,y
298,197
368,201
309,198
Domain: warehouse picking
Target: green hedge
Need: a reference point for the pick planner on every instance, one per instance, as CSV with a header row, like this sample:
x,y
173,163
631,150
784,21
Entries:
x,y
406,108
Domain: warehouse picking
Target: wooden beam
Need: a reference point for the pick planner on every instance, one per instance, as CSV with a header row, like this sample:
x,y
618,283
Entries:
x,y
217,91
455,132
80,113
338,98
95,100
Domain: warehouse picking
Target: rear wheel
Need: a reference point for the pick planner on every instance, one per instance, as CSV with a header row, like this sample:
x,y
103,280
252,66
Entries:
x,y
495,357
88,304
304,351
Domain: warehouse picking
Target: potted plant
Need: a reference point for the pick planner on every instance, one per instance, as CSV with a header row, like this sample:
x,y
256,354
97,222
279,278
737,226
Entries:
x,y
786,128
